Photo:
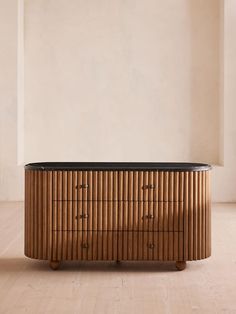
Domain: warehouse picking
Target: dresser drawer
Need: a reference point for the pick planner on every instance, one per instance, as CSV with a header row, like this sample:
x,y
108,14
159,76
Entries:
x,y
85,215
86,245
118,185
158,216
117,216
150,246
107,245
150,216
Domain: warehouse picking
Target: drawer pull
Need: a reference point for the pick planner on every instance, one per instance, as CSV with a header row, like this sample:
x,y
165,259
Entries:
x,y
148,186
151,246
84,186
84,216
85,245
150,216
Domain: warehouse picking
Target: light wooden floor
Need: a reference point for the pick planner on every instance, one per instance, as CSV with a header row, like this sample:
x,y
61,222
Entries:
x,y
29,286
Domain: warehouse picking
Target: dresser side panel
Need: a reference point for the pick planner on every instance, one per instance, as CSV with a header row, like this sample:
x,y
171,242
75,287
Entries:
x,y
38,214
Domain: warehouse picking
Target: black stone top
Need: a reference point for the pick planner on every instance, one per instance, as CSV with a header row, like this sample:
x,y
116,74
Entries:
x,y
145,166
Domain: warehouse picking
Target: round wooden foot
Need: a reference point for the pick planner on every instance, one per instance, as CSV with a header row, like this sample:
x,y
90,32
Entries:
x,y
180,265
54,264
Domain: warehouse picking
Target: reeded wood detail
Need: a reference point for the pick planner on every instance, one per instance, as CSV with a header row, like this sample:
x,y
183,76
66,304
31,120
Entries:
x,y
117,215
108,245
118,186
38,214
197,215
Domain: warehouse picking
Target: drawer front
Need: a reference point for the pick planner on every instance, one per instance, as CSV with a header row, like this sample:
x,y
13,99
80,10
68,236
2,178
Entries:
x,y
102,245
85,215
150,246
117,216
90,245
150,216
118,185
160,216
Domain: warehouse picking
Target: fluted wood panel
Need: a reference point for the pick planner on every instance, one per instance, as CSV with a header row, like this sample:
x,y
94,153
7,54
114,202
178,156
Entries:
x,y
197,215
117,186
128,215
38,214
117,216
110,245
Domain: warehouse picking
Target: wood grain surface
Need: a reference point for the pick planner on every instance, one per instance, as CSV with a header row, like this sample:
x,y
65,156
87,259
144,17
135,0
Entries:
x,y
117,215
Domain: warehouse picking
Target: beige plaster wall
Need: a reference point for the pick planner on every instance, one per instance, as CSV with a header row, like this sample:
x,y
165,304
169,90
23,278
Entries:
x,y
11,175
122,80
224,178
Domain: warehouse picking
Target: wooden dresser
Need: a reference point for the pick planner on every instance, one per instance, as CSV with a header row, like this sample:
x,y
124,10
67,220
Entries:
x,y
117,211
